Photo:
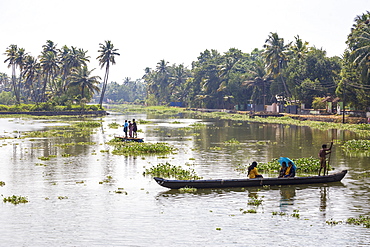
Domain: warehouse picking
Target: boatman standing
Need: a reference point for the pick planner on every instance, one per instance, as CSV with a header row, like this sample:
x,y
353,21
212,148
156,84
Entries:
x,y
322,155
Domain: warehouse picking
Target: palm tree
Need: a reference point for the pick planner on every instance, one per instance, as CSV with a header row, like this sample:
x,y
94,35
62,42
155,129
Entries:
x,y
258,81
50,66
21,56
106,58
81,78
359,43
32,73
11,53
299,49
71,58
276,57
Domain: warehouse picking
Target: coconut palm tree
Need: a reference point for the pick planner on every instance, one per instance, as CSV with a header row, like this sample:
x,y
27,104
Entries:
x,y
299,49
50,67
276,57
71,58
106,58
12,52
81,78
32,72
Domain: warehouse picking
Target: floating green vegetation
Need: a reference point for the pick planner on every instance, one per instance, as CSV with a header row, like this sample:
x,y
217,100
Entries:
x,y
144,121
176,122
361,220
15,199
108,179
232,141
187,190
40,164
2,183
254,201
361,147
295,213
136,148
66,155
333,222
120,191
88,124
304,165
249,211
197,125
166,170
62,197
215,148
44,158
114,125
279,213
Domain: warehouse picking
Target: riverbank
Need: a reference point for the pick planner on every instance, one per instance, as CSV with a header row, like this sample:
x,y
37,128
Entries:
x,y
57,113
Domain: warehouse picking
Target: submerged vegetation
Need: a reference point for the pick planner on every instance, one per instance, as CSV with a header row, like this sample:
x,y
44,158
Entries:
x,y
166,170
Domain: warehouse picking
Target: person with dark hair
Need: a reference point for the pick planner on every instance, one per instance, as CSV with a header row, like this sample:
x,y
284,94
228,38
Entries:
x,y
125,128
253,172
290,170
134,128
282,169
130,127
322,155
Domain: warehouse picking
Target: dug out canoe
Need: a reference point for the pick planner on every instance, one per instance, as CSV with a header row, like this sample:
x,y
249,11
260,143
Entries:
x,y
233,183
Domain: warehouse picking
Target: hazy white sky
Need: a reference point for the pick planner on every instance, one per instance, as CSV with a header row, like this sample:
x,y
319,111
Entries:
x,y
146,31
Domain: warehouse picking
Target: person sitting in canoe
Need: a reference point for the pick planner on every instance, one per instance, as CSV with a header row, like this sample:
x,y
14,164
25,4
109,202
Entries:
x,y
290,167
253,172
290,170
282,169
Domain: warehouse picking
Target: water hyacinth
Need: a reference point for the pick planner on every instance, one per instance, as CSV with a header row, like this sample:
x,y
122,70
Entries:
x,y
135,148
166,170
357,146
15,199
304,165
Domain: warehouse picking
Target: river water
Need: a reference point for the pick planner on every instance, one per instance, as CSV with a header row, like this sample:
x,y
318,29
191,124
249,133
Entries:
x,y
73,199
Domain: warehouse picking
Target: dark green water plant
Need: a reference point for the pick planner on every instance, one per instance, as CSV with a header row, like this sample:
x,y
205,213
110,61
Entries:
x,y
361,220
166,170
139,148
357,147
15,199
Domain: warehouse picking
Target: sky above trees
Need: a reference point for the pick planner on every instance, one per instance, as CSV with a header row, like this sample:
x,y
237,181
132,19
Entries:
x,y
178,31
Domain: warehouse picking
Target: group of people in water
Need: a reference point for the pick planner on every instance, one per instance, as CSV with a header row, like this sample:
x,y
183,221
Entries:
x,y
288,168
131,128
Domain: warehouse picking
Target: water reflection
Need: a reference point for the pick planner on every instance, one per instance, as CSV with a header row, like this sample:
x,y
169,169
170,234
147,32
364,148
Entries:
x,y
287,195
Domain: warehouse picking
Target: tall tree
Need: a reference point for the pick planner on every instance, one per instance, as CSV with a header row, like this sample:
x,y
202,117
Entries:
x,y
12,53
50,66
106,58
276,57
81,77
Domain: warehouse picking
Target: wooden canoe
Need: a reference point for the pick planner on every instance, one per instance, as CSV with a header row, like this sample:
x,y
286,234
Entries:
x,y
233,183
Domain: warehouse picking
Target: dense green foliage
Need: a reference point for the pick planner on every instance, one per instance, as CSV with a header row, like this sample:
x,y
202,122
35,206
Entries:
x,y
139,148
283,72
171,171
58,75
289,72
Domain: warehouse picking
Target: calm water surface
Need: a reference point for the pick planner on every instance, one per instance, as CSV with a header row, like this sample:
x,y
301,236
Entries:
x,y
69,206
